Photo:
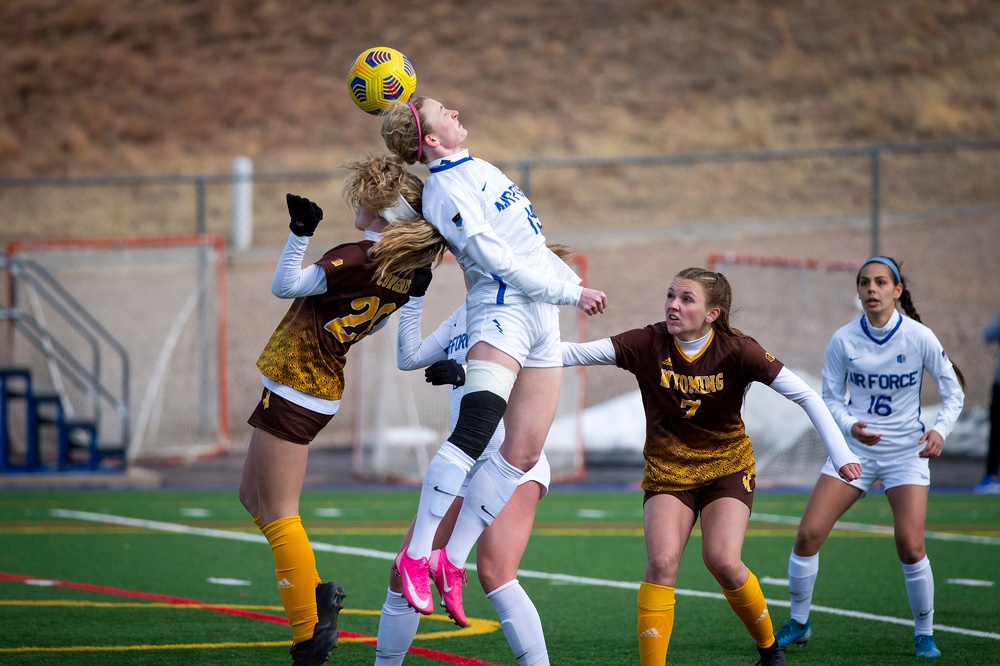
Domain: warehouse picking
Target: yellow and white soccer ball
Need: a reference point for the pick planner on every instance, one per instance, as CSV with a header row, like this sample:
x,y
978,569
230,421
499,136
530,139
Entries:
x,y
379,77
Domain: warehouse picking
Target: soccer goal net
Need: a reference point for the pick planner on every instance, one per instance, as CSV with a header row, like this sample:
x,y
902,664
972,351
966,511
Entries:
x,y
162,303
791,307
401,420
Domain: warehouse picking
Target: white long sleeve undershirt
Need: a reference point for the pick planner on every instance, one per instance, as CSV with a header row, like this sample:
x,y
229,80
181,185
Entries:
x,y
790,385
290,279
412,350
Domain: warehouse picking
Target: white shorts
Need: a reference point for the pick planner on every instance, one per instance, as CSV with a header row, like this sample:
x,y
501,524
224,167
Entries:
x,y
528,332
909,471
541,473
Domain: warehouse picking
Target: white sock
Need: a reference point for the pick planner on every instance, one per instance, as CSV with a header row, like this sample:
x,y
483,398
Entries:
x,y
487,494
920,589
520,623
427,519
802,572
396,628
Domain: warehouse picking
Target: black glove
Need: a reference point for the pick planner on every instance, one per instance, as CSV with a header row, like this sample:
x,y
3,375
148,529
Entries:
x,y
445,372
420,281
304,213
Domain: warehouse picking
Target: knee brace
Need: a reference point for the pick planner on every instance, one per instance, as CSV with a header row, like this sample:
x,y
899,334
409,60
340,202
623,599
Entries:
x,y
487,388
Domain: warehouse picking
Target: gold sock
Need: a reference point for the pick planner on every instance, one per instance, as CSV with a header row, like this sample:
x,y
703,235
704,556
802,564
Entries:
x,y
260,526
295,571
656,621
750,606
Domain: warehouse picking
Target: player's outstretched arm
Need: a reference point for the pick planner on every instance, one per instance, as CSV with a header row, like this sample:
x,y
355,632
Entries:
x,y
595,352
790,385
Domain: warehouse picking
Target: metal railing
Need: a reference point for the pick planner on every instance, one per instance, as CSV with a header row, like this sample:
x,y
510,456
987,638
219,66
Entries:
x,y
62,357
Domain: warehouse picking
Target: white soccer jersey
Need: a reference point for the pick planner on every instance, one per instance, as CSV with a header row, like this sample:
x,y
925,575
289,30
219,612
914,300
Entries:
x,y
492,230
875,375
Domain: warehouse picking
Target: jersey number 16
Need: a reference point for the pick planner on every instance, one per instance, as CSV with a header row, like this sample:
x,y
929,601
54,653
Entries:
x,y
880,405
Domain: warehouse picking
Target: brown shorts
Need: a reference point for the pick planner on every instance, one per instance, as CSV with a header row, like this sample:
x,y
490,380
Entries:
x,y
739,486
286,420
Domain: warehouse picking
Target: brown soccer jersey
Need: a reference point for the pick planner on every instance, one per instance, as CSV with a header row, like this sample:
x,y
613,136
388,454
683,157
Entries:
x,y
308,349
694,431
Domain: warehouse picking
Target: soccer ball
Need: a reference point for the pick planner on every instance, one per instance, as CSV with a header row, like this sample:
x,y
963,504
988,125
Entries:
x,y
380,76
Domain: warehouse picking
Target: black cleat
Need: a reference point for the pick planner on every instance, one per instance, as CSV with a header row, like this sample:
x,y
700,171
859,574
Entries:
x,y
317,649
329,603
772,656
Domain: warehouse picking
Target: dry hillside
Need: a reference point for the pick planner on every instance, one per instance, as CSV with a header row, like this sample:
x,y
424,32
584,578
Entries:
x,y
89,86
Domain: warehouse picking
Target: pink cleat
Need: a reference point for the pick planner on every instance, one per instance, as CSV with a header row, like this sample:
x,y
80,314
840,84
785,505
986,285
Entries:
x,y
415,577
449,580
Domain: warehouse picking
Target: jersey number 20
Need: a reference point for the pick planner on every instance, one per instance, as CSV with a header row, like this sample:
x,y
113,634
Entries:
x,y
367,311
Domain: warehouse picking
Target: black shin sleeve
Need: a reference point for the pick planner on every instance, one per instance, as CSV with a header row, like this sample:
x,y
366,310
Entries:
x,y
478,418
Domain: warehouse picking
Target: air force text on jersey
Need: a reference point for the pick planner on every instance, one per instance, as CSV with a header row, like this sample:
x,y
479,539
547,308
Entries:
x,y
884,382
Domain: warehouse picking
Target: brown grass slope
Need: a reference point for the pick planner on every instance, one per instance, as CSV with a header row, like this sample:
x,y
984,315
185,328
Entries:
x,y
90,86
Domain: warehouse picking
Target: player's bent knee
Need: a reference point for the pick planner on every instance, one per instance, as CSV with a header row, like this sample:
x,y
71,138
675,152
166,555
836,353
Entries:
x,y
478,418
492,578
487,388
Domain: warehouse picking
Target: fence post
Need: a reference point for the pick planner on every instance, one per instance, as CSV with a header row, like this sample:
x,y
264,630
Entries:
x,y
242,225
876,197
525,183
199,204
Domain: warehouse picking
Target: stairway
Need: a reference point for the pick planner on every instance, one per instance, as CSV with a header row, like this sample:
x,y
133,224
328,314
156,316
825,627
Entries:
x,y
49,439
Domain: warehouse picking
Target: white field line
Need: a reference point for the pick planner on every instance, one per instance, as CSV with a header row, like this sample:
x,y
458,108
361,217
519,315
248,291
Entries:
x,y
555,578
878,529
971,582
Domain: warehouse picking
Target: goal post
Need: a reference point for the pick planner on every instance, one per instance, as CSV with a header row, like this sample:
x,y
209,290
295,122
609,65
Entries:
x,y
163,300
400,420
791,306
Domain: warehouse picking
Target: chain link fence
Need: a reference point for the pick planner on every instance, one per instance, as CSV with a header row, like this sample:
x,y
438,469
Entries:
x,y
935,204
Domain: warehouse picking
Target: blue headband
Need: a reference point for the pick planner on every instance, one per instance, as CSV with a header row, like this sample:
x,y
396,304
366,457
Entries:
x,y
888,262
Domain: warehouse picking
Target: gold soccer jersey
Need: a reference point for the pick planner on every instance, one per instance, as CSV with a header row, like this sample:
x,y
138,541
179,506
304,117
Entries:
x,y
694,431
307,351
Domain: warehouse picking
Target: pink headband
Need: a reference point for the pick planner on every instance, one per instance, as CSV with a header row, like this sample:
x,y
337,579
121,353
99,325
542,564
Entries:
x,y
420,135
